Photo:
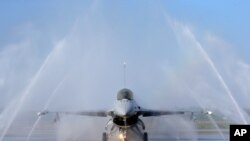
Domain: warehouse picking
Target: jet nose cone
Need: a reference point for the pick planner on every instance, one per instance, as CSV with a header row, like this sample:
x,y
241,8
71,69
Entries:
x,y
123,107
124,111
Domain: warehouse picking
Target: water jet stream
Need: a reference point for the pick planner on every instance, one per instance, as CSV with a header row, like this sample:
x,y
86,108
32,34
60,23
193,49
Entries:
x,y
220,78
209,116
216,126
27,92
33,128
191,36
52,96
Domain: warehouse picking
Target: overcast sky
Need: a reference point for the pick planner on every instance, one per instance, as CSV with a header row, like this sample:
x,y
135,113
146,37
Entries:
x,y
227,19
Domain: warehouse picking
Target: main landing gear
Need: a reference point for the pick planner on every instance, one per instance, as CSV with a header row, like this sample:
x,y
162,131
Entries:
x,y
104,136
145,136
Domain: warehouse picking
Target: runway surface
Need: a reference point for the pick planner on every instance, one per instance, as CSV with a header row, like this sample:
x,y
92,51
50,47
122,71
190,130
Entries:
x,y
52,137
47,130
165,139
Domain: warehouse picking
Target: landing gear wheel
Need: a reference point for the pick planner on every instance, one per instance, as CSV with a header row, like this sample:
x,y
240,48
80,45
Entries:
x,y
145,136
104,136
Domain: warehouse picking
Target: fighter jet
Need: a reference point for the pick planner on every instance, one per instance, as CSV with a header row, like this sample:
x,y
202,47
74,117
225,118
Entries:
x,y
125,115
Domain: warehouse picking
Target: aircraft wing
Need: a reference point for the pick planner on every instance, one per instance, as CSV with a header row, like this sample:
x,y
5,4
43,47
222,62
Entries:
x,y
83,113
148,113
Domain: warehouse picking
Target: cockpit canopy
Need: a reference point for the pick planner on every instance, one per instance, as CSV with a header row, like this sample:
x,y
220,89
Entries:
x,y
125,94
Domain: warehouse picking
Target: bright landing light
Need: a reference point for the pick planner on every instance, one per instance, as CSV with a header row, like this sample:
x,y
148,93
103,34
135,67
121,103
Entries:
x,y
121,136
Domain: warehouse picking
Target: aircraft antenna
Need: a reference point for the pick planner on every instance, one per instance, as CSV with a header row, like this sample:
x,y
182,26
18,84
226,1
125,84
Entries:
x,y
124,73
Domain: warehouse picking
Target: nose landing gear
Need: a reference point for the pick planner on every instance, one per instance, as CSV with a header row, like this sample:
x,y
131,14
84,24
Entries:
x,y
123,137
123,134
122,131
